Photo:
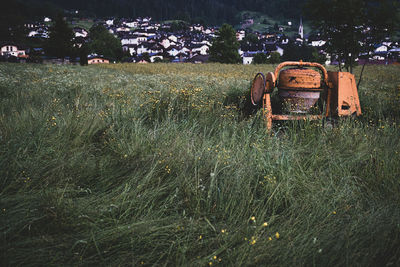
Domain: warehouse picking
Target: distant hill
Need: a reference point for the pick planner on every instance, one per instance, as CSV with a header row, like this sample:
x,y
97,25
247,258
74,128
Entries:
x,y
206,11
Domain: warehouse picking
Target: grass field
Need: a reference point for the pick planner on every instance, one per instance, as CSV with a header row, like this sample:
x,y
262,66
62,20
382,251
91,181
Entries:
x,y
161,164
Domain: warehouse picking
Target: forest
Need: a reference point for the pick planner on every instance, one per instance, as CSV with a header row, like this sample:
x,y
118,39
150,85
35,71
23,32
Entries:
x,y
210,11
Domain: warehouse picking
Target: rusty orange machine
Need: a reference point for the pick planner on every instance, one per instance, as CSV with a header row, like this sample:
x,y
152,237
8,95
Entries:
x,y
300,87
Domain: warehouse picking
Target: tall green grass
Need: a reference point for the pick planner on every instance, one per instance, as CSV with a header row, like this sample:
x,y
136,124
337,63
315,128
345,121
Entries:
x,y
162,164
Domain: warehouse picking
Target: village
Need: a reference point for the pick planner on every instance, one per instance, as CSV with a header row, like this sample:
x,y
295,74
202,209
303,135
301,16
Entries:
x,y
146,41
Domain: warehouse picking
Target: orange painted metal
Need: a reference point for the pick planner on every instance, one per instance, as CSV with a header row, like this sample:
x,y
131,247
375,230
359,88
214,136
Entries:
x,y
267,111
345,101
300,88
303,64
299,79
270,82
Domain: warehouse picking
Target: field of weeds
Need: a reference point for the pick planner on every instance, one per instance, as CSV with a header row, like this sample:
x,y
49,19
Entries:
x,y
165,164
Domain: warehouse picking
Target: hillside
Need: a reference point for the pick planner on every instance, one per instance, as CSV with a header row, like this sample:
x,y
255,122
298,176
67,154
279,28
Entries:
x,y
162,164
210,12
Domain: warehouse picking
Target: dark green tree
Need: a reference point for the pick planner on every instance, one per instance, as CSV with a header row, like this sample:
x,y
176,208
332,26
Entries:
x,y
146,57
260,58
352,26
275,58
60,43
224,48
104,43
250,42
83,54
294,52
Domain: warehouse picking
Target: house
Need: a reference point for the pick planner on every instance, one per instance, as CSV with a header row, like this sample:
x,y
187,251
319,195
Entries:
x,y
123,29
173,38
110,22
381,48
198,59
197,27
247,57
142,48
154,57
132,49
131,24
173,51
155,48
200,49
165,42
133,40
240,35
318,43
80,32
13,50
273,48
97,60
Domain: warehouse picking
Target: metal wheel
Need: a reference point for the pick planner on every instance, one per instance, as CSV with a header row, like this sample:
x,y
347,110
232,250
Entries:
x,y
257,89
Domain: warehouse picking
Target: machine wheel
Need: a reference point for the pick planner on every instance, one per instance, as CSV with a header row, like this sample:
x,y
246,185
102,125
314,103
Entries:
x,y
257,89
270,82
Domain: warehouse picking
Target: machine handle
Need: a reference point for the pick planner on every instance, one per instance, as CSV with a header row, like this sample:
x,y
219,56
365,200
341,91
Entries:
x,y
302,64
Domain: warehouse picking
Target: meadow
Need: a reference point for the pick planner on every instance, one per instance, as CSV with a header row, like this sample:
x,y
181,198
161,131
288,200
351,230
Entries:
x,y
164,164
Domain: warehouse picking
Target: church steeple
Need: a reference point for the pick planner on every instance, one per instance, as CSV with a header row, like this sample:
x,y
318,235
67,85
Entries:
x,y
301,30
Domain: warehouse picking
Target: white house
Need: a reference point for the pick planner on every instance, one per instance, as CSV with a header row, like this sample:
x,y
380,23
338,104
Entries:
x,y
147,19
110,22
12,50
318,43
123,29
173,51
279,50
240,35
133,40
80,32
247,59
165,43
202,50
142,49
32,33
381,48
173,38
131,24
207,31
154,57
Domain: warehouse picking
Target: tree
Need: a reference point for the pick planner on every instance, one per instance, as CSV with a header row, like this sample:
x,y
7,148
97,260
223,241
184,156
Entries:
x,y
104,43
352,26
275,58
294,52
260,58
146,57
224,48
83,54
250,42
60,43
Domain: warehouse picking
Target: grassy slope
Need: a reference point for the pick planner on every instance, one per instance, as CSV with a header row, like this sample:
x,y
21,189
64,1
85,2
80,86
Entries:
x,y
154,164
260,26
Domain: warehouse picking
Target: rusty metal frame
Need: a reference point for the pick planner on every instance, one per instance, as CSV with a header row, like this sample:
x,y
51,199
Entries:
x,y
267,107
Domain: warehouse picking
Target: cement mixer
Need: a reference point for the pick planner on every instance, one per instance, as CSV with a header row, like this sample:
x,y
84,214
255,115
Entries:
x,y
300,87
